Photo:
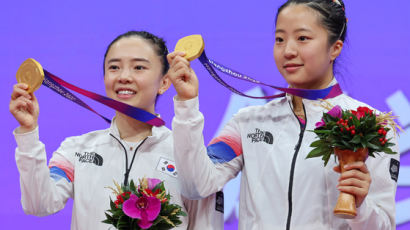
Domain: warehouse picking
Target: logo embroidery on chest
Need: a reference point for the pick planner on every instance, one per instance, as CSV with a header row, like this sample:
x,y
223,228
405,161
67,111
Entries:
x,y
90,157
167,166
259,136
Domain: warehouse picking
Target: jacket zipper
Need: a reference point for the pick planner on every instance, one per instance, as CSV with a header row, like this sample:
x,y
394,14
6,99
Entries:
x,y
127,170
292,169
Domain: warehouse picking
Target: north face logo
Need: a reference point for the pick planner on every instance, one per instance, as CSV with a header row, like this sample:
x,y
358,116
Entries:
x,y
261,136
90,157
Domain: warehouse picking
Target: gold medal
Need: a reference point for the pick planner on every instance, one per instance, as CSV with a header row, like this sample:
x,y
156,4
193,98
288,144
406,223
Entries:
x,y
192,46
31,73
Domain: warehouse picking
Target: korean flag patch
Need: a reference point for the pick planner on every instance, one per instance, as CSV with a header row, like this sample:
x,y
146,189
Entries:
x,y
167,166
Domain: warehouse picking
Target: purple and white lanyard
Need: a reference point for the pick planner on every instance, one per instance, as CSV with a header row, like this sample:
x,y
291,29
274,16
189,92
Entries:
x,y
59,86
313,94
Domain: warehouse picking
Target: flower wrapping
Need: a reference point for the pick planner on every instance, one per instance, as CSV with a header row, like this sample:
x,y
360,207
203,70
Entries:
x,y
143,206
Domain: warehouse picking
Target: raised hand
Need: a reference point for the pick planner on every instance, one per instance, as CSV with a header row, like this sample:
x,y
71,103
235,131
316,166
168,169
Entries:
x,y
182,76
24,107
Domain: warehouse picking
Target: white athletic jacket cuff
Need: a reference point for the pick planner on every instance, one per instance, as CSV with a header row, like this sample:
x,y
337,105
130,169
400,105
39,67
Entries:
x,y
27,141
186,109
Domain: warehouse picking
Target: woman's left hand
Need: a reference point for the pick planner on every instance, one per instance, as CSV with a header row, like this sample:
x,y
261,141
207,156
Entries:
x,y
355,180
182,76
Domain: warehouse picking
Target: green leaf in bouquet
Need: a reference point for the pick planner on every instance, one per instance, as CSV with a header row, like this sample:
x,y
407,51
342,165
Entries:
x,y
132,187
326,157
157,220
181,213
109,219
388,151
339,145
388,144
319,131
370,136
315,153
327,118
134,224
316,143
346,137
123,223
118,212
335,129
373,146
363,142
355,121
356,139
112,204
167,220
345,143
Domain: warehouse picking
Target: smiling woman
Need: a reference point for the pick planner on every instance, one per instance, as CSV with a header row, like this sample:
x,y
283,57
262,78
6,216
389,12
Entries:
x,y
134,73
134,68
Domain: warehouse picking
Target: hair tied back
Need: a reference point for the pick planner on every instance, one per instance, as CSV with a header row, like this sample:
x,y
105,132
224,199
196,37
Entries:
x,y
340,4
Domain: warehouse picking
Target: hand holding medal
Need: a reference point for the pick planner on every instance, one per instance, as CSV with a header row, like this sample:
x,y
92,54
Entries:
x,y
180,73
23,104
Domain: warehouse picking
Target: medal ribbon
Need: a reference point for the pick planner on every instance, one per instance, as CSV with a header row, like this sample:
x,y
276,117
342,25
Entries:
x,y
58,85
312,94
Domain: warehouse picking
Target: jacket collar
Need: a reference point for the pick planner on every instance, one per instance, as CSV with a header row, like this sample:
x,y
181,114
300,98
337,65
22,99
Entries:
x,y
158,133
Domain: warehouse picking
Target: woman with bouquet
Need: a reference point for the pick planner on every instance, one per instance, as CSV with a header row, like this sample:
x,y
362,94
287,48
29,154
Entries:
x,y
84,166
280,188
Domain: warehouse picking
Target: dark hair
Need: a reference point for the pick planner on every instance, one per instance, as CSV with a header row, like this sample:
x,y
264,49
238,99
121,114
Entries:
x,y
158,44
332,16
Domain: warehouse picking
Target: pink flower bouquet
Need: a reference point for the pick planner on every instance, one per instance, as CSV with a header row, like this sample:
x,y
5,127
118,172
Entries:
x,y
145,206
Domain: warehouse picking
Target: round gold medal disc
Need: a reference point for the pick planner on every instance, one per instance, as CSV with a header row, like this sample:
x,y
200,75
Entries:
x,y
192,46
31,73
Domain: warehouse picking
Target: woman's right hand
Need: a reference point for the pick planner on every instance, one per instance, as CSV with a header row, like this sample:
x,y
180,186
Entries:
x,y
24,107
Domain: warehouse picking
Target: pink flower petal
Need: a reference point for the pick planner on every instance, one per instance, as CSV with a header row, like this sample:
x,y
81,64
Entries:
x,y
152,182
144,224
129,207
320,123
153,209
335,111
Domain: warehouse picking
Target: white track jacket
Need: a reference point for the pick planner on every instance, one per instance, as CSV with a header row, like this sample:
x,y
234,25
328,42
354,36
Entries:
x,y
82,168
280,189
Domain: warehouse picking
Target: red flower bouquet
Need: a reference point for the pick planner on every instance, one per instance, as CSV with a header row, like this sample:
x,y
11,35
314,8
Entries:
x,y
145,206
351,135
352,130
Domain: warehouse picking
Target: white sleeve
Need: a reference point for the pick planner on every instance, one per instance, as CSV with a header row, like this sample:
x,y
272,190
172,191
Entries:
x,y
41,195
378,210
206,213
200,176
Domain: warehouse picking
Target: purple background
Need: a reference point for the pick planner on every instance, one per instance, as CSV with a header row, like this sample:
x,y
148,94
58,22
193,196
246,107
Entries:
x,y
69,39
